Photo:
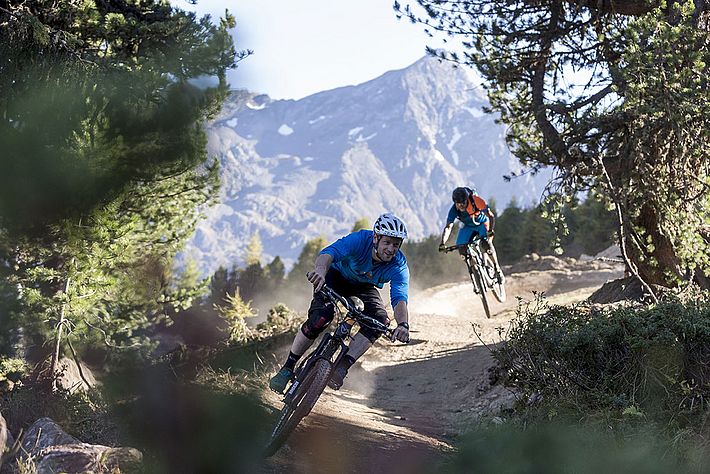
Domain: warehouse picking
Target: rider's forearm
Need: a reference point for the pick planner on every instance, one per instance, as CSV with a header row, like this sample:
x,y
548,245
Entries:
x,y
401,314
447,232
322,263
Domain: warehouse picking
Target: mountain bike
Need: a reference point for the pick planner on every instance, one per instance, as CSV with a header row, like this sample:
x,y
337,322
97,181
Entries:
x,y
313,373
482,272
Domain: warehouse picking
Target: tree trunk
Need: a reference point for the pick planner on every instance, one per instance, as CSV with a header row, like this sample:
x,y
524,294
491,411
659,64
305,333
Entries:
x,y
58,339
663,257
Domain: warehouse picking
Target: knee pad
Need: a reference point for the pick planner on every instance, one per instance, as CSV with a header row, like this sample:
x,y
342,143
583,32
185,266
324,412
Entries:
x,y
312,331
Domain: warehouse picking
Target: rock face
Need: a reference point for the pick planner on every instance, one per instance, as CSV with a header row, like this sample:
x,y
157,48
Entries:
x,y
293,170
71,378
52,450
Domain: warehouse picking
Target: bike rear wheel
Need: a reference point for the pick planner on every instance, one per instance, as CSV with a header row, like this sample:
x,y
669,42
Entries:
x,y
301,404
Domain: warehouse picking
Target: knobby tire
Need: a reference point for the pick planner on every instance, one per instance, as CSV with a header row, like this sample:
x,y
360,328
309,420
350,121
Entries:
x,y
478,276
303,401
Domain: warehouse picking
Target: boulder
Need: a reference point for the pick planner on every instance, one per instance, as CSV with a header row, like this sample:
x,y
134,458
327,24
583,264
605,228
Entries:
x,y
610,252
87,458
535,262
44,433
627,289
71,379
52,450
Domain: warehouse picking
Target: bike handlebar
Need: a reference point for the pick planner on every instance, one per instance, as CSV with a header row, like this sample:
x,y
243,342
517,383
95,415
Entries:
x,y
358,315
476,239
451,248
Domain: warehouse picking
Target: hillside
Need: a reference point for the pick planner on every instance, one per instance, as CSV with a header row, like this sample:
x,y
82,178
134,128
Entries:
x,y
293,170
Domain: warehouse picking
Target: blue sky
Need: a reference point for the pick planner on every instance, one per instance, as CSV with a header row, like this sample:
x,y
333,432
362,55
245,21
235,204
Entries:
x,y
306,46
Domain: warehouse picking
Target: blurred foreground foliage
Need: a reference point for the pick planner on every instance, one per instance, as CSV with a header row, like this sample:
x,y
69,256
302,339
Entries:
x,y
105,167
564,447
188,427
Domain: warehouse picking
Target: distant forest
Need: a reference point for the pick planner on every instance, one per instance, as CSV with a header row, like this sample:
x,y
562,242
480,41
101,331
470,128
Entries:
x,y
589,227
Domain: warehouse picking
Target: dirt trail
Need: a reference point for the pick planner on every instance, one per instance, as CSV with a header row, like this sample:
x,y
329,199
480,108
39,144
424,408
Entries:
x,y
402,406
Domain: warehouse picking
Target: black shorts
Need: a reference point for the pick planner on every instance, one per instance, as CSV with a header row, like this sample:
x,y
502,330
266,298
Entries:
x,y
321,311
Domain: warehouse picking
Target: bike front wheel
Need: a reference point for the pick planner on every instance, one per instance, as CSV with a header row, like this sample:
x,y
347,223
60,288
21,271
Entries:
x,y
497,288
300,405
479,282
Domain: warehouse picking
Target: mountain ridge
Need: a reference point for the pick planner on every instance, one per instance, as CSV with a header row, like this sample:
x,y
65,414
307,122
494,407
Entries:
x,y
296,169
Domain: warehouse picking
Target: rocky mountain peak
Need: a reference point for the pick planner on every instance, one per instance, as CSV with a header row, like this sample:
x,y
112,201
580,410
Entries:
x,y
296,169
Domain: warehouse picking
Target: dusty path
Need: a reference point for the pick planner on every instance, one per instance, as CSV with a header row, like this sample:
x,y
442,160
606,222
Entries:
x,y
401,408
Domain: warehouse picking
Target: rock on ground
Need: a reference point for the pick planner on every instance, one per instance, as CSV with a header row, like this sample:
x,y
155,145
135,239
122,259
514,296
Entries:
x,y
52,450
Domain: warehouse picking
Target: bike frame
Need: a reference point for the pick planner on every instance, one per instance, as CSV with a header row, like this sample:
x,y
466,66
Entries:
x,y
474,259
325,350
334,343
478,271
312,374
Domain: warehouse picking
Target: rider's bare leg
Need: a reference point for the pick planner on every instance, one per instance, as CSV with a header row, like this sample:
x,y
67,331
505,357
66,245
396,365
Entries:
x,y
359,345
300,344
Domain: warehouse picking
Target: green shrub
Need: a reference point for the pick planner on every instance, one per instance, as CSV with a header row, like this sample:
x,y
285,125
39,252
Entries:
x,y
651,363
280,319
12,369
85,416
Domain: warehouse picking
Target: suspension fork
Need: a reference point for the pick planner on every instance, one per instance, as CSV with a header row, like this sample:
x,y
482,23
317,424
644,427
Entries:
x,y
470,266
321,352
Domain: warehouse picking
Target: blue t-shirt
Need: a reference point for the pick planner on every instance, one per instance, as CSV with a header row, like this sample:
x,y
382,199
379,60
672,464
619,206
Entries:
x,y
352,257
465,217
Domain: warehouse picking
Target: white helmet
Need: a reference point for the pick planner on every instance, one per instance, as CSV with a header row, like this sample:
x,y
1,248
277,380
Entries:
x,y
390,225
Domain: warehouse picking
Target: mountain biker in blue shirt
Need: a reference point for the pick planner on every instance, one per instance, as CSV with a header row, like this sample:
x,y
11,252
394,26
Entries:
x,y
477,218
355,265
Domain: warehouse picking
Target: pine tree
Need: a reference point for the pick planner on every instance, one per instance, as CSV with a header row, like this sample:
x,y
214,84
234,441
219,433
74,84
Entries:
x,y
109,192
252,281
637,129
218,285
276,270
254,250
360,224
509,233
428,266
537,233
595,225
304,263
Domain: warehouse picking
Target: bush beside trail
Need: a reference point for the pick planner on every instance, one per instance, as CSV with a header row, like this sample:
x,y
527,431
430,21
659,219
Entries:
x,y
624,371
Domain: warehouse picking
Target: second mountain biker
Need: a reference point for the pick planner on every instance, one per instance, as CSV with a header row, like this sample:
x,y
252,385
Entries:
x,y
477,219
355,265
